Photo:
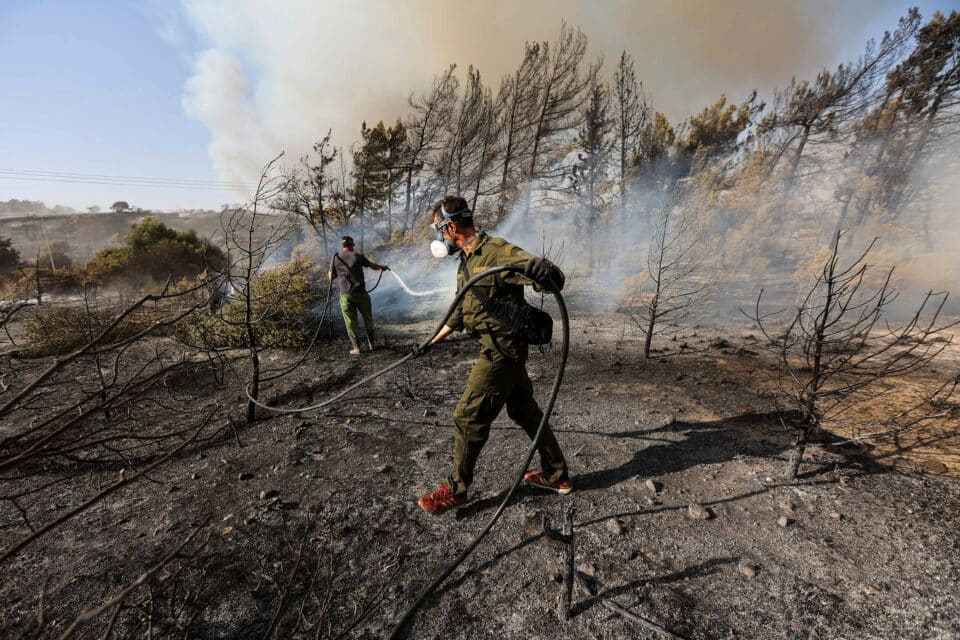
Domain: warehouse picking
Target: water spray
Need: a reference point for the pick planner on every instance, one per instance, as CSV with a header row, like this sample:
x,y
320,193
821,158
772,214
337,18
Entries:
x,y
419,294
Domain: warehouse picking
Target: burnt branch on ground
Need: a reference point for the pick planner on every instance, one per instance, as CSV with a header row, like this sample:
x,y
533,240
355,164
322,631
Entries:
x,y
128,395
98,345
82,408
121,482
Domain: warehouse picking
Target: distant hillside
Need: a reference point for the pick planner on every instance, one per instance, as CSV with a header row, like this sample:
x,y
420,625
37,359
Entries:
x,y
87,233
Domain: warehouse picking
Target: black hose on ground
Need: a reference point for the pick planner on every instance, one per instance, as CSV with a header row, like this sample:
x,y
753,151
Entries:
x,y
425,346
279,373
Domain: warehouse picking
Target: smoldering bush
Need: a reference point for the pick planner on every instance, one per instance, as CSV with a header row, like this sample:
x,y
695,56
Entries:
x,y
282,304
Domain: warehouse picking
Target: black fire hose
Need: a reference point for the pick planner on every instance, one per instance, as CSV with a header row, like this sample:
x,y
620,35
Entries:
x,y
426,346
370,290
554,391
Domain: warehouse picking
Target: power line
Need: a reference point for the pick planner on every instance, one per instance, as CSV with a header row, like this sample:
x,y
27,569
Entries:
x,y
67,174
103,179
120,184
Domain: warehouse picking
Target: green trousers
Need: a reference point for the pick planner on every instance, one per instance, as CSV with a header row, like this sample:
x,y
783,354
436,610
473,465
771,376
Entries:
x,y
350,303
496,381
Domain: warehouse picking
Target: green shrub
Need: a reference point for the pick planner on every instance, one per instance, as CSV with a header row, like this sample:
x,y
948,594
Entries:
x,y
151,253
60,330
282,302
109,263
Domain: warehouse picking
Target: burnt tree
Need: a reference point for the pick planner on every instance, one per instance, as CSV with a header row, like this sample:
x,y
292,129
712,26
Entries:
x,y
562,84
631,113
837,346
252,236
678,275
590,179
307,189
425,130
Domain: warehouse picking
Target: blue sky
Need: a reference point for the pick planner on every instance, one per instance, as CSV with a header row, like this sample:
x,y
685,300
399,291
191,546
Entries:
x,y
91,87
97,87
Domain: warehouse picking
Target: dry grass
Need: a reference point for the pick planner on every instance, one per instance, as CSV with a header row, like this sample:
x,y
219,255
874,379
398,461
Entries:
x,y
931,447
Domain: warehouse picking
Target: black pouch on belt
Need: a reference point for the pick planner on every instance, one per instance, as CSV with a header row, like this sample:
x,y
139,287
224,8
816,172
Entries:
x,y
527,323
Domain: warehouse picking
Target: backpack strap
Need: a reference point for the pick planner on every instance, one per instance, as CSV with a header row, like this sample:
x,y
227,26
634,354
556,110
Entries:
x,y
479,294
349,274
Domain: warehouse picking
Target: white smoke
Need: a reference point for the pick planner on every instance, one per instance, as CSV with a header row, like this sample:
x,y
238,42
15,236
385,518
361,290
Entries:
x,y
922,241
266,80
220,95
277,77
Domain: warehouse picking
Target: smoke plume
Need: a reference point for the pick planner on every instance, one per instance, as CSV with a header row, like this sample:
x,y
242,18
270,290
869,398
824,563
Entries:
x,y
277,78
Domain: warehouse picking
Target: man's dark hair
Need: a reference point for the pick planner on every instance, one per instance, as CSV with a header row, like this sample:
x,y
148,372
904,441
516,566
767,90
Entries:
x,y
456,207
346,241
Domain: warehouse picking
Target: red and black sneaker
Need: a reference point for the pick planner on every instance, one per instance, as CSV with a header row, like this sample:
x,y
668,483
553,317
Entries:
x,y
441,500
536,479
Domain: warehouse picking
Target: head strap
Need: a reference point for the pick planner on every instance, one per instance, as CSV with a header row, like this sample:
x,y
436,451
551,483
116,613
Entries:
x,y
466,213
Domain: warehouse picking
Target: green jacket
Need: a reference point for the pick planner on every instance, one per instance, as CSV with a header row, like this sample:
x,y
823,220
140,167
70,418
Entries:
x,y
470,315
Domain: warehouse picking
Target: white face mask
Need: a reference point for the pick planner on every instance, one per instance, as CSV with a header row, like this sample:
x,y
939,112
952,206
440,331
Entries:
x,y
442,248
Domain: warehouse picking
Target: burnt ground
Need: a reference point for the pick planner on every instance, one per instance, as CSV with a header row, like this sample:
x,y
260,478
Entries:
x,y
306,523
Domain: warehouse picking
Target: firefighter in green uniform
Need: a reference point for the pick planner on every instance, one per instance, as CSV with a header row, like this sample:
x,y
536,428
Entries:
x,y
499,376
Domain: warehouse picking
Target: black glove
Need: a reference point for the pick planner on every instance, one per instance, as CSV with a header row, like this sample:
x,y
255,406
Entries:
x,y
544,273
386,268
418,350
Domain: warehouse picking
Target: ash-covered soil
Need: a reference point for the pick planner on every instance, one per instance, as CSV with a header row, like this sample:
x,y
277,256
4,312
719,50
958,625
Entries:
x,y
307,525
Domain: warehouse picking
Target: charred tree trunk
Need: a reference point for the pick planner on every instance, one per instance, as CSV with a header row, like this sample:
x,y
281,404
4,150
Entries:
x,y
651,325
389,204
532,172
810,395
566,590
507,157
406,199
254,385
623,181
844,211
251,344
796,455
795,160
480,172
36,275
326,241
